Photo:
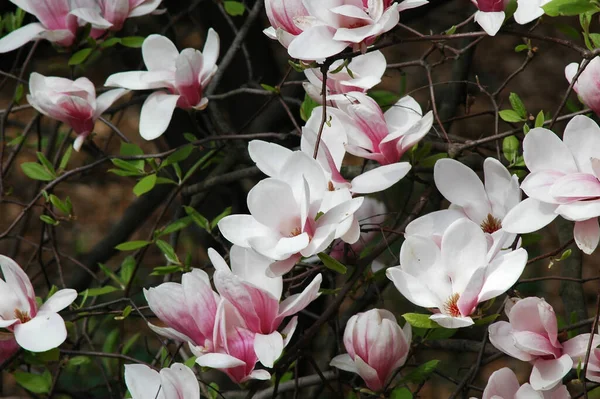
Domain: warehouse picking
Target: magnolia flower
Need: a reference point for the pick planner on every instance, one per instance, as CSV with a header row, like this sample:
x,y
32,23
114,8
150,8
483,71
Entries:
x,y
59,21
485,204
531,335
71,102
333,25
503,384
234,352
188,309
257,299
381,137
586,85
175,382
35,329
528,10
577,348
490,15
8,346
455,277
361,74
563,181
376,347
288,218
184,75
117,11
282,15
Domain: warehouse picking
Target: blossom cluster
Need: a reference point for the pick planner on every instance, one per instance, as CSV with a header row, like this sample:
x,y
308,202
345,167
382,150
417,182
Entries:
x,y
453,262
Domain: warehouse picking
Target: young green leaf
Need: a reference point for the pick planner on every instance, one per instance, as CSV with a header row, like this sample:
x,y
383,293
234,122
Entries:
x,y
132,245
80,56
145,185
234,8
36,171
133,41
332,264
420,320
517,105
508,115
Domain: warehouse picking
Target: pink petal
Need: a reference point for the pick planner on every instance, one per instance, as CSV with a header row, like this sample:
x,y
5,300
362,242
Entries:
x,y
502,383
19,37
548,373
587,235
316,43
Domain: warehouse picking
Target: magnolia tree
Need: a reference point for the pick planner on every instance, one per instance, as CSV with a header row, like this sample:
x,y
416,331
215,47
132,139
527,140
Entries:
x,y
299,198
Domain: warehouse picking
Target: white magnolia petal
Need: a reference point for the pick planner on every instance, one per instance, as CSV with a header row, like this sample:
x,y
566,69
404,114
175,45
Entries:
x,y
156,114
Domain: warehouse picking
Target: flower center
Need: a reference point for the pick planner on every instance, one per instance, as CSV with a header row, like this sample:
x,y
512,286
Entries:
x,y
451,307
22,316
295,232
491,224
330,186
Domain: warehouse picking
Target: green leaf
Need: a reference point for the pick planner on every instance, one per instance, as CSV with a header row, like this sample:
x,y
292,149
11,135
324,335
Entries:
x,y
34,382
133,41
421,373
180,155
65,158
127,269
510,148
430,161
111,341
451,31
420,320
530,239
19,93
90,292
595,37
168,251
131,245
486,320
332,264
36,171
385,99
517,105
565,255
569,7
269,88
110,42
190,137
145,185
162,270
234,8
47,219
128,166
80,56
521,47
78,361
198,218
191,362
63,206
125,314
401,393
508,115
46,163
130,342
177,225
307,107
220,216
441,333
132,150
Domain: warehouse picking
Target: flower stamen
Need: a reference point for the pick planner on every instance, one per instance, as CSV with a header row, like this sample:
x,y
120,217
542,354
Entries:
x,y
451,307
22,316
491,224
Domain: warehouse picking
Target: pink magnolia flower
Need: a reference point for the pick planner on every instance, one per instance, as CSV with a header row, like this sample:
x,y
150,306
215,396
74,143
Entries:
x,y
528,10
484,203
333,25
282,15
59,21
175,382
332,150
234,352
455,277
531,335
490,15
71,102
381,137
288,217
184,75
117,11
361,74
257,299
188,309
503,384
586,85
376,347
35,329
563,181
577,348
8,346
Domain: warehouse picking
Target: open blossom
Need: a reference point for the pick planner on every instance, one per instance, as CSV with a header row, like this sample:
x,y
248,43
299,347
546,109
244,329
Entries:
x,y
490,15
71,102
484,203
376,347
35,329
175,382
577,348
529,10
531,335
381,137
117,11
361,74
456,276
257,299
184,75
188,309
587,84
333,25
282,15
233,352
59,21
288,217
503,384
563,181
